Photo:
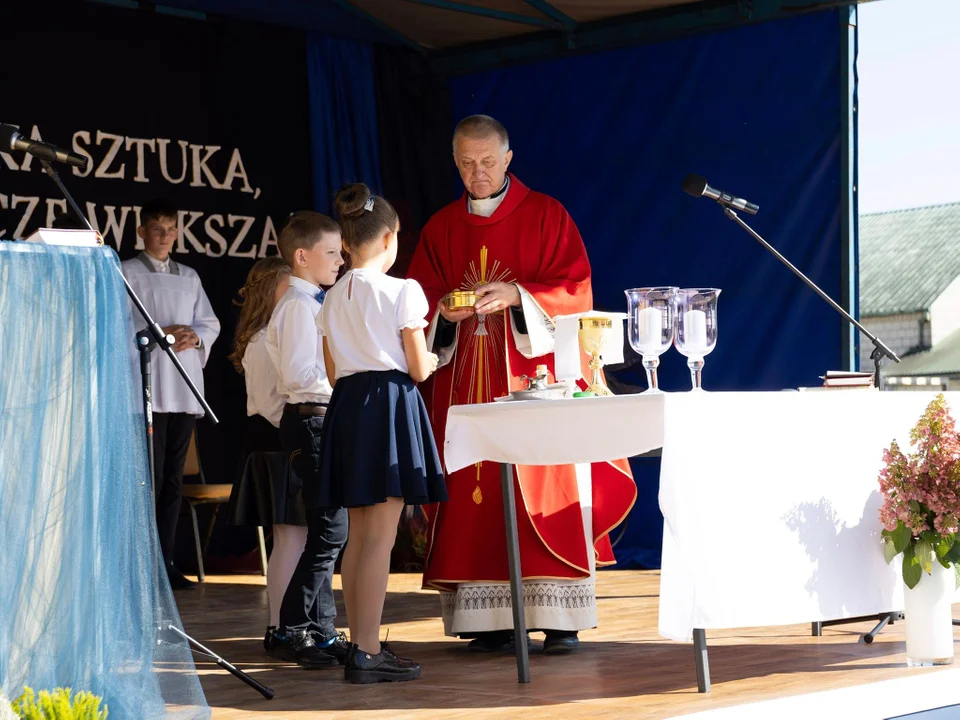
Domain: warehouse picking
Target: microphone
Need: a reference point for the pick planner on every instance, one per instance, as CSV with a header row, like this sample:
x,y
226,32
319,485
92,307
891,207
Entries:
x,y
697,186
11,139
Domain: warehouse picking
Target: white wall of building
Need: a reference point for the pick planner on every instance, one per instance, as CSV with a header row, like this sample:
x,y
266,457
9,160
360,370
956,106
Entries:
x,y
899,332
945,313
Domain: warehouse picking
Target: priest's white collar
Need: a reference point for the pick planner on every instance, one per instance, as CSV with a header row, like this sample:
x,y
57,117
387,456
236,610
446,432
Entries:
x,y
486,207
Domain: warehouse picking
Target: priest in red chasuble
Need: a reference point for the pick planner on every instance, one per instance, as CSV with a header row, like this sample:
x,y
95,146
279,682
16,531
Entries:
x,y
522,254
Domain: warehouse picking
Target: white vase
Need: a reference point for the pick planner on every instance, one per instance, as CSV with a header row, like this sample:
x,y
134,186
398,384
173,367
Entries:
x,y
929,617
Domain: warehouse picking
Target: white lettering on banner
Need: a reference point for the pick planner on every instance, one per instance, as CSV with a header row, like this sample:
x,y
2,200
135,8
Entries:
x,y
140,143
215,236
269,237
236,170
247,224
200,165
31,203
162,144
53,205
102,169
116,222
81,150
113,166
111,225
187,234
9,161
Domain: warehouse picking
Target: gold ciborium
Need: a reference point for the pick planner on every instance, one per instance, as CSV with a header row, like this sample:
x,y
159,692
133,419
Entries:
x,y
460,299
594,335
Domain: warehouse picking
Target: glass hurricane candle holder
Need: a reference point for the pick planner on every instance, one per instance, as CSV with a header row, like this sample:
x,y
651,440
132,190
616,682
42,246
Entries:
x,y
651,325
696,335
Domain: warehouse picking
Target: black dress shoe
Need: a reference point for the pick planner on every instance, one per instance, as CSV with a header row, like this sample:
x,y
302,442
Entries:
x,y
270,638
177,579
363,668
495,641
406,662
298,646
559,642
336,645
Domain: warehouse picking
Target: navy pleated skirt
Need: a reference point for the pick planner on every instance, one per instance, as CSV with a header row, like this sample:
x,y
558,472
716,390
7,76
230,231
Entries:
x,y
378,444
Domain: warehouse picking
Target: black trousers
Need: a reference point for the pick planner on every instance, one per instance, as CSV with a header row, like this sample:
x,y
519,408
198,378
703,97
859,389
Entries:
x,y
308,603
171,440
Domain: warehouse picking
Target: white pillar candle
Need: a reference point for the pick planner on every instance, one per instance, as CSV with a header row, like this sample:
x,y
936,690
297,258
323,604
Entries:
x,y
650,328
695,329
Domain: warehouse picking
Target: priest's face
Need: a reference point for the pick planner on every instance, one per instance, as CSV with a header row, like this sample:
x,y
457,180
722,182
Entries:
x,y
159,235
482,163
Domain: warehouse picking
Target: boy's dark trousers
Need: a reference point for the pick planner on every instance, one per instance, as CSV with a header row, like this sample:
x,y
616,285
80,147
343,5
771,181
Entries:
x,y
308,602
171,441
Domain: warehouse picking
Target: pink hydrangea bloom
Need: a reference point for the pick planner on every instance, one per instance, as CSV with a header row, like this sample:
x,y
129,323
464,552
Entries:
x,y
922,489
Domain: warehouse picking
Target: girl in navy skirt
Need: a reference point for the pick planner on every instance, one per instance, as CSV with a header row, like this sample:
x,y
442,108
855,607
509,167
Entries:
x,y
378,450
267,492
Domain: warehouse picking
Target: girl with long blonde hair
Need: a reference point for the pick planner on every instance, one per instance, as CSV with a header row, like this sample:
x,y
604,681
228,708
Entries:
x,y
266,480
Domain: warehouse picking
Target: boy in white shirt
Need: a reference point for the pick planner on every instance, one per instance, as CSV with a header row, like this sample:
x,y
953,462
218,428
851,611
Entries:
x,y
174,297
310,244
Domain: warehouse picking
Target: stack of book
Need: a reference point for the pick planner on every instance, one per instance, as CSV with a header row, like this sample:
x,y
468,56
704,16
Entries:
x,y
846,380
843,380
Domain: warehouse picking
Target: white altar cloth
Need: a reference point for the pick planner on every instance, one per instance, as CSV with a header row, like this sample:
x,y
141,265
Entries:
x,y
770,499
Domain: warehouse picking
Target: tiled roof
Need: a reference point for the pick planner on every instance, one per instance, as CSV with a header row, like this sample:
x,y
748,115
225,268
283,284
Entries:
x,y
942,359
908,258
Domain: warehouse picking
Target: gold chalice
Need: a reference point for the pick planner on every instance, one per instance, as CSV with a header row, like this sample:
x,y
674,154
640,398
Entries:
x,y
594,334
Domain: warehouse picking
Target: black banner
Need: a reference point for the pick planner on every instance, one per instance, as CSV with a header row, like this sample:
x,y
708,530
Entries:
x,y
210,114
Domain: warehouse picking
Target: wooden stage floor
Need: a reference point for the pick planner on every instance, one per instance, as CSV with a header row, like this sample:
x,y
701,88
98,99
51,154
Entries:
x,y
623,669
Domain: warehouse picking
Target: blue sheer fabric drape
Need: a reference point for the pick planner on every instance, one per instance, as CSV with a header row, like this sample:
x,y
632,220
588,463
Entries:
x,y
344,137
81,591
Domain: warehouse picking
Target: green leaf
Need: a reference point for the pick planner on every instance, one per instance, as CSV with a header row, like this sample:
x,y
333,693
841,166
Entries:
x,y
911,568
956,573
946,563
889,551
944,545
885,533
901,537
923,552
931,537
914,505
953,555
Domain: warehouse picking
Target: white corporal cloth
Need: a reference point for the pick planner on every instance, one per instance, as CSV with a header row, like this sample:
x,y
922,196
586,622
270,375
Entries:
x,y
770,499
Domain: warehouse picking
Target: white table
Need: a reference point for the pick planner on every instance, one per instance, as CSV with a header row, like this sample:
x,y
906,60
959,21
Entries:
x,y
770,499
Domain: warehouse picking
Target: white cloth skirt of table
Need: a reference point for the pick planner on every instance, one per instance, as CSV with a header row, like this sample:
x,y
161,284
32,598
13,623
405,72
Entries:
x,y
771,506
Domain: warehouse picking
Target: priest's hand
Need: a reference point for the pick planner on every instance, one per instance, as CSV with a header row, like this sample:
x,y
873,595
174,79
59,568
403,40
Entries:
x,y
496,296
453,316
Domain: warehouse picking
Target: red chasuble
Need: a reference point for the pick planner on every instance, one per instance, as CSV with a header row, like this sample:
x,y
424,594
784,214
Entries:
x,y
530,240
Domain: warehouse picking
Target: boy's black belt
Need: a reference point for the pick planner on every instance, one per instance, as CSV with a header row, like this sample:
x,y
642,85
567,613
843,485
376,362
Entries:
x,y
310,409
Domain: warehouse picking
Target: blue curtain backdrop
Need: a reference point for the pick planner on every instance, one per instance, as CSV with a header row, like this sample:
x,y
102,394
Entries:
x,y
756,110
82,591
343,117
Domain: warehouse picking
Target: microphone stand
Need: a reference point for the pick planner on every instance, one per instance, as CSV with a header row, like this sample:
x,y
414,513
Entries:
x,y
148,338
880,351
